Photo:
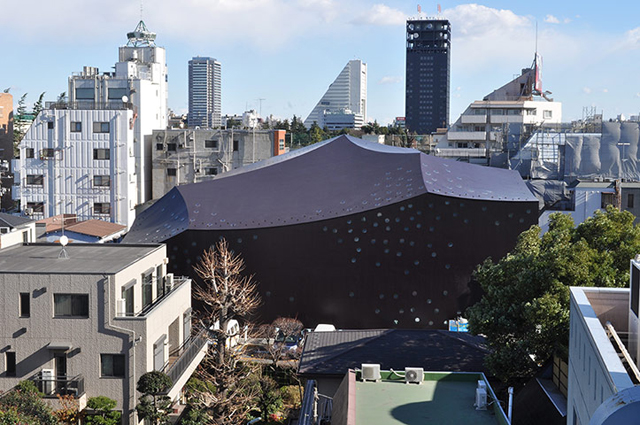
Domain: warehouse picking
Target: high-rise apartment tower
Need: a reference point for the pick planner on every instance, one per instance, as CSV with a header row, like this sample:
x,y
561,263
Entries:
x,y
427,79
205,103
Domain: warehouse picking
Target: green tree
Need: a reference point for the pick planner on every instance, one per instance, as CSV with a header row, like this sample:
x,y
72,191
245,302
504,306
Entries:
x,y
39,105
269,397
524,311
19,124
101,411
316,133
154,404
27,401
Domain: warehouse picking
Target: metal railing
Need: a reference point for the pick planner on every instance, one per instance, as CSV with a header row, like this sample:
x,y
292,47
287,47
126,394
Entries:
x,y
177,282
187,353
52,386
113,105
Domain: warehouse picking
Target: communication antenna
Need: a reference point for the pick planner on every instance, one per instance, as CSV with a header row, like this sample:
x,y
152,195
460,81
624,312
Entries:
x,y
141,8
63,252
536,36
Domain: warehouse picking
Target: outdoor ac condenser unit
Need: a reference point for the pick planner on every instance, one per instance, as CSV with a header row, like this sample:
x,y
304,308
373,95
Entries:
x,y
370,372
481,398
48,381
121,307
413,375
169,283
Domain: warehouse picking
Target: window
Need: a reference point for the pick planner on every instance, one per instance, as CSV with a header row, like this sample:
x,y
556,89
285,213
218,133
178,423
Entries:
x,y
630,200
607,199
211,171
101,208
70,305
25,304
29,152
281,144
213,144
147,289
159,146
25,236
235,145
50,125
101,154
117,93
10,361
547,114
112,365
102,181
172,147
85,94
75,127
127,296
100,127
37,207
47,153
35,179
171,172
159,282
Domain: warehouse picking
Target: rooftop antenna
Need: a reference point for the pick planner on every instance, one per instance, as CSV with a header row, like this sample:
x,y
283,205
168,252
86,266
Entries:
x,y
439,10
536,36
64,240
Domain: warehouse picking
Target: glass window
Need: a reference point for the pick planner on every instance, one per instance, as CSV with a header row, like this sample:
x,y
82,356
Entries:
x,y
101,154
100,127
76,126
47,153
630,200
235,145
127,295
35,179
159,282
607,199
29,152
25,304
147,289
10,361
37,207
102,181
172,147
211,171
85,94
112,365
159,146
71,305
117,93
547,114
213,144
50,125
101,208
171,172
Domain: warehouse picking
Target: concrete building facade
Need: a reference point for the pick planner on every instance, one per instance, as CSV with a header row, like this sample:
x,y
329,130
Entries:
x,y
427,75
191,156
205,93
6,147
344,104
89,320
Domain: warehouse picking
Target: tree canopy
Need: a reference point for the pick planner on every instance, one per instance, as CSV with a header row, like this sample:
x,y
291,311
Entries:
x,y
524,311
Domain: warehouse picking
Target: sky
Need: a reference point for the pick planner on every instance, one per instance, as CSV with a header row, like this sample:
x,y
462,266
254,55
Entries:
x,y
287,52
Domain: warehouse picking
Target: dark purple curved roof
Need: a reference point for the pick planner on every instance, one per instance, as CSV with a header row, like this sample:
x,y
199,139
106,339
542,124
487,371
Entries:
x,y
334,178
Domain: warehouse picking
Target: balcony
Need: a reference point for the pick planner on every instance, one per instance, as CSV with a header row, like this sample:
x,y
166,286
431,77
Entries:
x,y
474,119
52,386
461,152
467,135
112,105
170,287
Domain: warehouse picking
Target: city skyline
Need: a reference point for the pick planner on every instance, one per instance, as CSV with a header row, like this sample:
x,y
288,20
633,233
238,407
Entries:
x,y
286,52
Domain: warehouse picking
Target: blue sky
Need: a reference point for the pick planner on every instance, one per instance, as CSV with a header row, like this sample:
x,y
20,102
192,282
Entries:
x,y
287,52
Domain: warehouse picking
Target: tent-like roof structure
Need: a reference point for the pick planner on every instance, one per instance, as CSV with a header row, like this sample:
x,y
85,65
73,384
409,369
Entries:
x,y
337,177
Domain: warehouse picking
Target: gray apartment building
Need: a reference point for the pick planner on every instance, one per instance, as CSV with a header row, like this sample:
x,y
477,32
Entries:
x,y
191,156
90,319
205,93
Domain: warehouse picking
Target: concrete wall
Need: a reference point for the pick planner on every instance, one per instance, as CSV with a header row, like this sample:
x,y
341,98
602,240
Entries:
x,y
16,235
595,370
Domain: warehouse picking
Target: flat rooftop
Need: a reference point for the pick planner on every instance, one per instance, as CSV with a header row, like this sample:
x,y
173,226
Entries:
x,y
443,398
82,258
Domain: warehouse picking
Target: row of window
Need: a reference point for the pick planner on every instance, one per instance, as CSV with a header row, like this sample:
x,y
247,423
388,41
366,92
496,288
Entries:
x,y
209,144
103,208
64,305
38,180
47,153
173,172
111,365
76,126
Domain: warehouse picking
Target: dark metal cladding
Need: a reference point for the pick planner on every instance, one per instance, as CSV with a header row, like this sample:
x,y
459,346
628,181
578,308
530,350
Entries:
x,y
350,233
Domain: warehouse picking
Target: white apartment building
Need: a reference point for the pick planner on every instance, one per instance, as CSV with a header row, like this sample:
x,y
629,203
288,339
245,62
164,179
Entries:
x,y
344,104
88,156
502,121
205,93
89,319
79,161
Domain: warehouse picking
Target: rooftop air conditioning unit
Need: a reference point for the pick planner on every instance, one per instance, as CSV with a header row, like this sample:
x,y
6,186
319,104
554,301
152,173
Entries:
x,y
481,396
370,372
48,381
413,375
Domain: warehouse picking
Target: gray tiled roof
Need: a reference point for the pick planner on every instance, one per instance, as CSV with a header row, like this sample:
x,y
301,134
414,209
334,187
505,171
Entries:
x,y
333,353
8,220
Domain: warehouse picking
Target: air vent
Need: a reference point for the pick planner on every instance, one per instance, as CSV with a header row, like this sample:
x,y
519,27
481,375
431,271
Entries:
x,y
370,372
413,375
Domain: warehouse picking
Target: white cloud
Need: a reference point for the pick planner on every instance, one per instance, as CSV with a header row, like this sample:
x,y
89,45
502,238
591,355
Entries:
x,y
586,90
389,79
605,90
550,19
632,39
381,14
566,20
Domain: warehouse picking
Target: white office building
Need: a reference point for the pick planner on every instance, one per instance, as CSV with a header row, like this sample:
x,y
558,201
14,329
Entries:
x,y
88,156
205,93
344,105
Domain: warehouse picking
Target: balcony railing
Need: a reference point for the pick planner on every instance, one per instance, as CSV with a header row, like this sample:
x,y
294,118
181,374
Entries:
x,y
185,355
52,386
168,290
111,105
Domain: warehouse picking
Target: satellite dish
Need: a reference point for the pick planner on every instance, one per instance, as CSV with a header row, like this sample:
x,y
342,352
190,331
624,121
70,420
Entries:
x,y
125,99
64,240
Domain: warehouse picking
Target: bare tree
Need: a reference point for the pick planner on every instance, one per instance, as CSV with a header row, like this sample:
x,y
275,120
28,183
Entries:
x,y
225,293
285,331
